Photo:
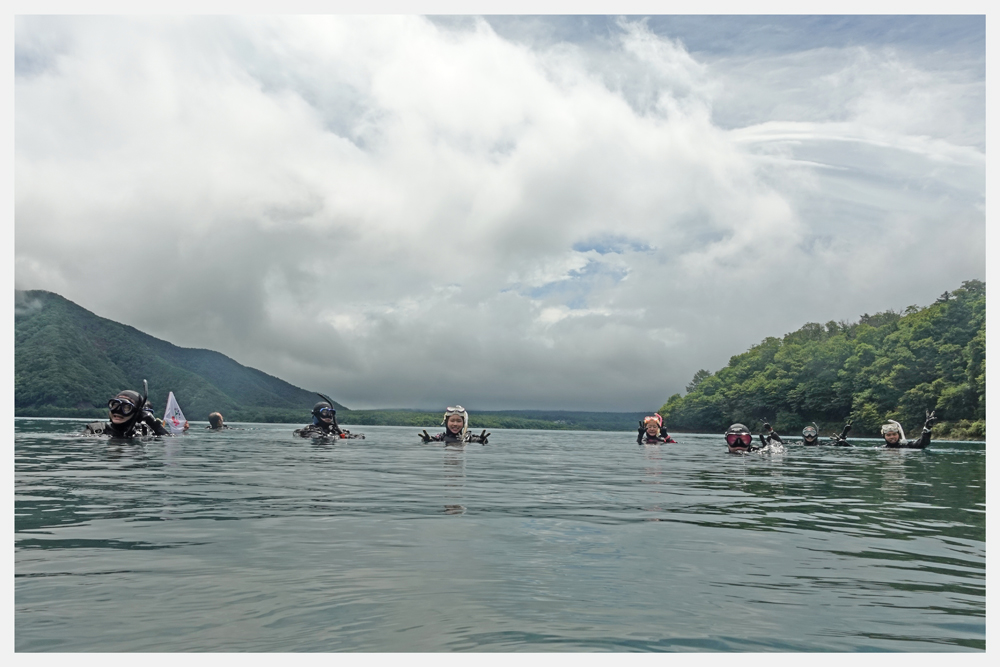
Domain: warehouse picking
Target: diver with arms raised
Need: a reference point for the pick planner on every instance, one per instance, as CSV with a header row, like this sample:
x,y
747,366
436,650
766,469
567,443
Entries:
x,y
896,439
456,425
651,431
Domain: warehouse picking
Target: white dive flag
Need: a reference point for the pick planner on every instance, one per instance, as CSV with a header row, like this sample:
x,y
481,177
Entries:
x,y
173,418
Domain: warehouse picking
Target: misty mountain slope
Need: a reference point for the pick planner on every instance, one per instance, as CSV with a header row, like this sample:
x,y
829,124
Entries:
x,y
67,360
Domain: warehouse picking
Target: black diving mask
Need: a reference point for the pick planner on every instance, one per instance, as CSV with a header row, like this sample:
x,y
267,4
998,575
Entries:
x,y
121,406
327,413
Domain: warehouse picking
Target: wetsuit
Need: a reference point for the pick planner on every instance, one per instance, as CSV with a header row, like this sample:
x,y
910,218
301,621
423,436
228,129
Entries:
x,y
448,436
920,443
130,430
646,439
324,430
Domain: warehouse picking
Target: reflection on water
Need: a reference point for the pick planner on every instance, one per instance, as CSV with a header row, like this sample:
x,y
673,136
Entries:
x,y
539,541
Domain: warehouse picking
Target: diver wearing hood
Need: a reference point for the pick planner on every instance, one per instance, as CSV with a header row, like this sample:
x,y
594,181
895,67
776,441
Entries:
x,y
128,418
324,423
651,431
456,428
896,439
739,440
810,437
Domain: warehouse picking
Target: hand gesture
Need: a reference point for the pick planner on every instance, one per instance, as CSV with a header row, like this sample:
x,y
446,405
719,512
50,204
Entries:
x,y
423,436
483,436
930,418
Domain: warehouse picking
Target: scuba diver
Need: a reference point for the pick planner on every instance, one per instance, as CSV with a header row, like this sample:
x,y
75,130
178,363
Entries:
x,y
896,439
129,417
324,423
651,430
739,440
810,437
456,425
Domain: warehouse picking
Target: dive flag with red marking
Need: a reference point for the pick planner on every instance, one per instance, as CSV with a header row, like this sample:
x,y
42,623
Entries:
x,y
173,418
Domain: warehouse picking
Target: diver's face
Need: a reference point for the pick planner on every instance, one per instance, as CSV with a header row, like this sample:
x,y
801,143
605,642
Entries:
x,y
652,429
116,415
455,423
810,438
892,437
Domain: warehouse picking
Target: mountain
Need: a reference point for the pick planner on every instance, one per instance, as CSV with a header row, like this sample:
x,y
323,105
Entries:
x,y
885,366
69,362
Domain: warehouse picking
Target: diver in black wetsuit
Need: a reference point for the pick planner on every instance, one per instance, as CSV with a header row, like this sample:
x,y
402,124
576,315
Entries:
x,y
810,437
456,423
896,439
324,423
127,417
651,431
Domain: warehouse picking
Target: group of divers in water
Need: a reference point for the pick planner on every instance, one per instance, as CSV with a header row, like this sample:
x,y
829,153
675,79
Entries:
x,y
130,415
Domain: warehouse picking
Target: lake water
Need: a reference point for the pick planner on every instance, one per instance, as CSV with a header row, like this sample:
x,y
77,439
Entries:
x,y
539,541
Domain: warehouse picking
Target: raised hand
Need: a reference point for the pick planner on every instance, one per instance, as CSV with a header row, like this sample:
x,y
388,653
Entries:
x,y
424,436
483,436
930,418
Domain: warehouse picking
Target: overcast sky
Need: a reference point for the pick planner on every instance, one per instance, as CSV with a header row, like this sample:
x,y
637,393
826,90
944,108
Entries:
x,y
538,212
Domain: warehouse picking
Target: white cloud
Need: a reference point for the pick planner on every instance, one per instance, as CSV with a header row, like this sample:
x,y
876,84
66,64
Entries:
x,y
402,213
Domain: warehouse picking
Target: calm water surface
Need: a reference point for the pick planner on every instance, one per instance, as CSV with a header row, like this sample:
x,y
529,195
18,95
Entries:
x,y
254,540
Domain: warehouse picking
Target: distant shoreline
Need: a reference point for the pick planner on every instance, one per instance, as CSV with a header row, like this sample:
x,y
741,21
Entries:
x,y
351,425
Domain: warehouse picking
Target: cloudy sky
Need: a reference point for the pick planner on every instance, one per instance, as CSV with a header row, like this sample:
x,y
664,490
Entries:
x,y
514,212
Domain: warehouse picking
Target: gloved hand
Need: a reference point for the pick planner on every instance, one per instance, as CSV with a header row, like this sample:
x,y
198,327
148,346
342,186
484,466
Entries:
x,y
930,419
483,436
423,436
847,429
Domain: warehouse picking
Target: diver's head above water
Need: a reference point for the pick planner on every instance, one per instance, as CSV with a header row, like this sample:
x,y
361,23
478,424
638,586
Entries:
x,y
653,424
125,408
323,413
738,438
810,433
456,421
892,432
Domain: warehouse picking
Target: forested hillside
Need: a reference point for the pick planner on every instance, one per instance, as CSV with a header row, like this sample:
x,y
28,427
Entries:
x,y
885,366
68,362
